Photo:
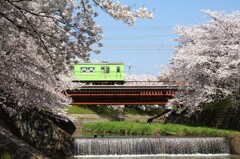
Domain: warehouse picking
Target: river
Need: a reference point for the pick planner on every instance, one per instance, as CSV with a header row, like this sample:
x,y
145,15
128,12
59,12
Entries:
x,y
153,148
161,157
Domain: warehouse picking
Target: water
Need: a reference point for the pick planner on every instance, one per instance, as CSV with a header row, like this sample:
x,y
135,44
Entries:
x,y
162,157
160,147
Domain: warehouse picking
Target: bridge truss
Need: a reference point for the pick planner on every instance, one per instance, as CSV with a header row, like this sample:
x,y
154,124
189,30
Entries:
x,y
121,94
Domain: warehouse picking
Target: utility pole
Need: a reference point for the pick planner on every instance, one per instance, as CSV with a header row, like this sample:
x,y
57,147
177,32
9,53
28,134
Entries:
x,y
129,69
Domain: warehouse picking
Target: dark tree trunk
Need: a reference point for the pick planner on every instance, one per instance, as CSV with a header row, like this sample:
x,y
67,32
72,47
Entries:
x,y
150,120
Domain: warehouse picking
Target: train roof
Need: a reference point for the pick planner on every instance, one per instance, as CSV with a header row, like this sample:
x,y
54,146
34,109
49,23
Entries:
x,y
100,63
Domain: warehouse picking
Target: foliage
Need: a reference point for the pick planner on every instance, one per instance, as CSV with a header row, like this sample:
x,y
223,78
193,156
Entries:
x,y
220,104
4,154
74,109
82,109
207,61
106,111
139,111
131,128
38,39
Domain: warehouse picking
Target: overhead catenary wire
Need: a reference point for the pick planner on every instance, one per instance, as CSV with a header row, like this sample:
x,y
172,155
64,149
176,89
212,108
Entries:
x,y
136,48
138,45
134,51
137,37
145,28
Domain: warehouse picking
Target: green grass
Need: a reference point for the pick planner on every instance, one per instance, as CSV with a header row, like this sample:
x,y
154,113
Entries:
x,y
131,129
102,110
137,111
5,155
105,111
74,109
92,109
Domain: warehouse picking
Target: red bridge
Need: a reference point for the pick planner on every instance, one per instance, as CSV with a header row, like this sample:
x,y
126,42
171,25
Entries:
x,y
120,95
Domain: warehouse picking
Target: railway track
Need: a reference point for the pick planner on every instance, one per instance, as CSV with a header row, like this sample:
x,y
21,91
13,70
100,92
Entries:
x,y
135,85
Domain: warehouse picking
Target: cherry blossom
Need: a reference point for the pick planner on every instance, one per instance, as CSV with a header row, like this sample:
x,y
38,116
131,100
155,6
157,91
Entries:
x,y
40,38
207,61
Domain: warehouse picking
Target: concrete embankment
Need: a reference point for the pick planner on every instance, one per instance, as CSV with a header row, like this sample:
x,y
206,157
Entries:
x,y
234,144
221,118
19,147
225,118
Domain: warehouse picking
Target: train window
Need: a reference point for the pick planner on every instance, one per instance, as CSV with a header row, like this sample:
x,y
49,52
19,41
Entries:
x,y
118,69
83,69
91,69
87,69
107,70
102,69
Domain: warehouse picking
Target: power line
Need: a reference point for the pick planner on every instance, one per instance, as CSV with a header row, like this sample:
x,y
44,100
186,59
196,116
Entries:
x,y
139,28
138,50
137,37
135,47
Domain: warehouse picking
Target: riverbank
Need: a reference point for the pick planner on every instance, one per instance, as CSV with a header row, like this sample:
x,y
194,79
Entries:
x,y
143,129
95,114
102,121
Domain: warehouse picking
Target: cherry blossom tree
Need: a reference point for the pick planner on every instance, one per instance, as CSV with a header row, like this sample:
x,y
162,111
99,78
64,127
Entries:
x,y
207,61
39,38
142,77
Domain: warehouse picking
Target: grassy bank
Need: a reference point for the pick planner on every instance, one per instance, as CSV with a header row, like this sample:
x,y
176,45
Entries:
x,y
105,111
131,129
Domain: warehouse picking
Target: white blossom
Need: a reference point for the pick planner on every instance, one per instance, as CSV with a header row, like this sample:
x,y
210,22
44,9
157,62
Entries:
x,y
207,60
38,40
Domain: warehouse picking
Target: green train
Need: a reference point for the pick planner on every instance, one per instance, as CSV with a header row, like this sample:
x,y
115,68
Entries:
x,y
98,73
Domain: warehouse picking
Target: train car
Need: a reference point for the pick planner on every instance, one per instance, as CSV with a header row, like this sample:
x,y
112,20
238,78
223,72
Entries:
x,y
99,73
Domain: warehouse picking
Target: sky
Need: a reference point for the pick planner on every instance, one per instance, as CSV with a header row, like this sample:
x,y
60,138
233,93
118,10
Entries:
x,y
148,46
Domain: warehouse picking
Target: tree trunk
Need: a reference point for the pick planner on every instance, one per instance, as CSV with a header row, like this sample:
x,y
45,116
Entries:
x,y
165,112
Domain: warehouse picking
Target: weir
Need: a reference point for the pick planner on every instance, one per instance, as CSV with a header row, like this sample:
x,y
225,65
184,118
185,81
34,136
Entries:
x,y
150,145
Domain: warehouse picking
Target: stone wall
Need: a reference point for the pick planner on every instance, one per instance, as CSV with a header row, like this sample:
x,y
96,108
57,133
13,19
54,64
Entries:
x,y
15,148
227,118
38,129
234,144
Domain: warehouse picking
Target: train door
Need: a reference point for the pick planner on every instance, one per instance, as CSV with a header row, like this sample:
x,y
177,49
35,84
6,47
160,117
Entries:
x,y
105,71
118,73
